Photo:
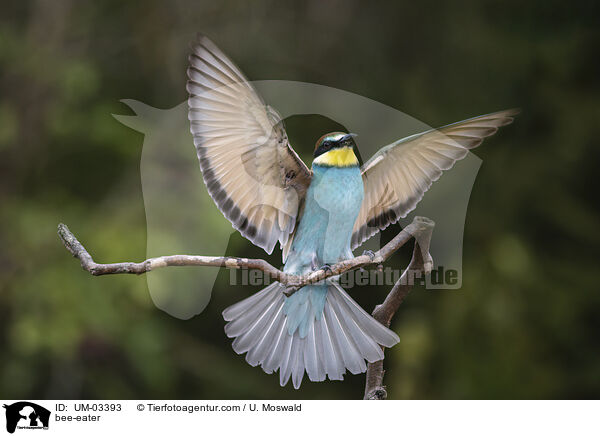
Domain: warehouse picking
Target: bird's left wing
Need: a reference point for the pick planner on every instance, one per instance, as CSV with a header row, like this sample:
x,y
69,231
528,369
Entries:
x,y
398,175
250,170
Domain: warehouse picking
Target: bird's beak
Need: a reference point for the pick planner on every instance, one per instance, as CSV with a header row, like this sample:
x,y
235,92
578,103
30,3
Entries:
x,y
348,136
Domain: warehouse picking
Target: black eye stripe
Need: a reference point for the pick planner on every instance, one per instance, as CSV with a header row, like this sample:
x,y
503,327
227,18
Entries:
x,y
329,143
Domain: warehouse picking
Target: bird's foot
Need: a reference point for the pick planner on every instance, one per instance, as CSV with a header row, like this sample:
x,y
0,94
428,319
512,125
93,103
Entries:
x,y
369,253
290,290
326,268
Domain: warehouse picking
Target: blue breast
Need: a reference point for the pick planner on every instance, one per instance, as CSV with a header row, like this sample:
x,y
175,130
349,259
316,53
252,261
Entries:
x,y
323,236
331,207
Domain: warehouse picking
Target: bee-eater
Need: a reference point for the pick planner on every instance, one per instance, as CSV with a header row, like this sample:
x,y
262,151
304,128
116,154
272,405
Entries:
x,y
318,216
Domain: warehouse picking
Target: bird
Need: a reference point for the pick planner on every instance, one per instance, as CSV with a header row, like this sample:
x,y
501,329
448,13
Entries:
x,y
318,215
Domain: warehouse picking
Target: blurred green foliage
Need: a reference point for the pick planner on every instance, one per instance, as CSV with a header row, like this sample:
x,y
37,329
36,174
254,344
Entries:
x,y
526,322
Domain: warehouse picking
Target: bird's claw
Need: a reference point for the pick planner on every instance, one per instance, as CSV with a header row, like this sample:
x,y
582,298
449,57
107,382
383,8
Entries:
x,y
289,291
369,253
326,268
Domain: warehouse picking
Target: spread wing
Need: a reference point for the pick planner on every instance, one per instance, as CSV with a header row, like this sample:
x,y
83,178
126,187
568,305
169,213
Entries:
x,y
398,175
250,170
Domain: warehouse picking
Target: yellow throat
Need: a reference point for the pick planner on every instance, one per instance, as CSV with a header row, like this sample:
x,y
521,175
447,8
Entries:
x,y
338,157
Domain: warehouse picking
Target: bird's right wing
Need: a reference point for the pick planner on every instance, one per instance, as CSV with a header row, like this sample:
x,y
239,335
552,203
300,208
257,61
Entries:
x,y
398,175
250,170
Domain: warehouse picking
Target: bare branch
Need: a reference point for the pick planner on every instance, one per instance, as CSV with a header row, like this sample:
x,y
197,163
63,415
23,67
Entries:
x,y
420,265
97,269
293,282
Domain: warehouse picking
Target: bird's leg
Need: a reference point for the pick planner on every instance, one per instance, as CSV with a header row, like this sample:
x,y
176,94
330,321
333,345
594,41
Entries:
x,y
314,262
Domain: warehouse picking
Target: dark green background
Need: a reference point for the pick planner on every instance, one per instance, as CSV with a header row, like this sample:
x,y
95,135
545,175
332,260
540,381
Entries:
x,y
524,325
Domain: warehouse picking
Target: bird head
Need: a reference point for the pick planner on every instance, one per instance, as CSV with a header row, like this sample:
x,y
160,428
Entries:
x,y
335,149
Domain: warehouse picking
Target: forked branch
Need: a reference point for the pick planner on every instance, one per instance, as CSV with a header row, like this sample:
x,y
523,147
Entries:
x,y
421,263
418,267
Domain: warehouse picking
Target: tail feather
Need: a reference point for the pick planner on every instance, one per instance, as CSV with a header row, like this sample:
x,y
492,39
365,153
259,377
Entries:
x,y
300,312
367,347
312,360
256,331
334,367
380,333
339,339
235,310
351,357
272,362
297,362
287,358
245,320
262,349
